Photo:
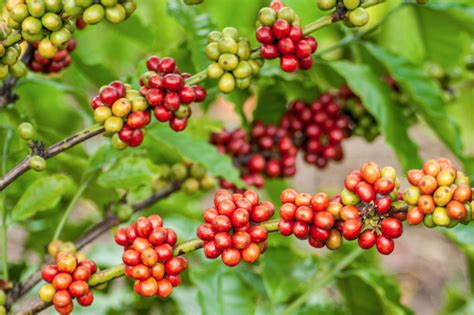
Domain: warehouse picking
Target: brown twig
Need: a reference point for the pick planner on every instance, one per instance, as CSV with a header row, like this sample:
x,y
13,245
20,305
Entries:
x,y
51,151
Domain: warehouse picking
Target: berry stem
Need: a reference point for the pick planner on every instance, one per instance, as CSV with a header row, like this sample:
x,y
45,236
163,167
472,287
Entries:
x,y
318,24
50,152
107,275
196,78
69,208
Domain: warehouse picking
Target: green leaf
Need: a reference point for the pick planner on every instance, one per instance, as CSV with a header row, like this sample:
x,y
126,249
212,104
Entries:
x,y
192,149
425,95
43,194
129,172
376,98
285,273
221,291
463,236
198,25
369,292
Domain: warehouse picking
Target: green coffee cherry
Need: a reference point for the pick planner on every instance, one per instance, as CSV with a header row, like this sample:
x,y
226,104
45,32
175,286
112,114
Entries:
x,y
226,83
19,12
227,45
243,49
359,17
243,70
287,13
231,32
130,7
243,84
124,212
3,71
212,51
54,6
47,49
94,14
10,57
84,3
179,171
214,71
228,62
208,182
428,221
351,4
113,124
117,143
108,3
115,14
326,4
18,70
349,198
267,16
37,163
440,217
36,8
214,37
61,37
51,21
190,185
198,171
31,25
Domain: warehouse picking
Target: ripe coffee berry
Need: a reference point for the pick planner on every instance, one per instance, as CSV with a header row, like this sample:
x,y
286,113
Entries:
x,y
281,36
231,230
151,261
68,279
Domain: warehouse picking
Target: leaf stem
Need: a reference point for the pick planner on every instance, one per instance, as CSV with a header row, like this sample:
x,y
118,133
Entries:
x,y
319,283
69,208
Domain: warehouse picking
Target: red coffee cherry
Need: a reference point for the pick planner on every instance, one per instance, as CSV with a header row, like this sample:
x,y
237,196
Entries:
x,y
367,239
384,245
351,229
391,228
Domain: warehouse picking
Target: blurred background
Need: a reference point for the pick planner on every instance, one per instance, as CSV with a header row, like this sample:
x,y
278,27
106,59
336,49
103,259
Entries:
x,y
431,271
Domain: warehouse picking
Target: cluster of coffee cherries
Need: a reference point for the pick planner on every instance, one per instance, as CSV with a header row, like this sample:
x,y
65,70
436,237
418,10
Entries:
x,y
366,207
123,112
94,12
148,256
42,22
10,52
269,151
62,59
440,195
232,228
165,90
67,279
193,175
309,217
231,63
355,14
281,36
363,123
320,127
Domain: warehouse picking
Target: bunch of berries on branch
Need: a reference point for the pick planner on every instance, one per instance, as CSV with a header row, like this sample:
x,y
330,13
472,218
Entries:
x,y
270,151
232,228
440,195
67,280
363,211
62,59
148,256
281,36
230,55
165,89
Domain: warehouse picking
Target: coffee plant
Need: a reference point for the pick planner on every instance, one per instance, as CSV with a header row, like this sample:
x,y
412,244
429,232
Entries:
x,y
236,157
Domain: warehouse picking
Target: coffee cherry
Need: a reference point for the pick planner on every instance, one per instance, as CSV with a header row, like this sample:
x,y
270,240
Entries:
x,y
351,229
415,216
26,131
367,239
37,163
326,4
391,228
86,299
231,257
359,17
384,245
62,298
46,293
